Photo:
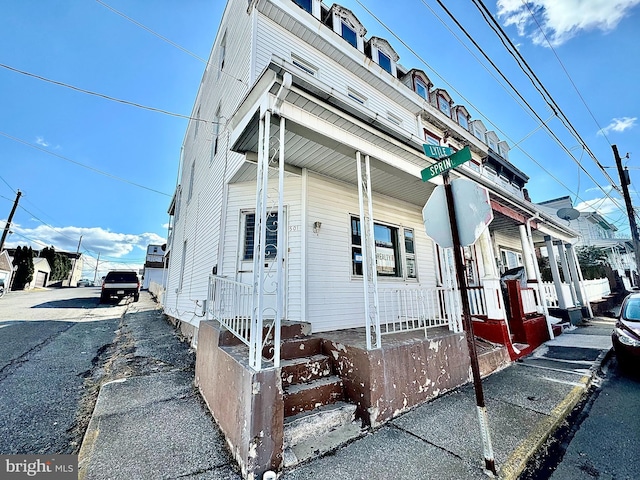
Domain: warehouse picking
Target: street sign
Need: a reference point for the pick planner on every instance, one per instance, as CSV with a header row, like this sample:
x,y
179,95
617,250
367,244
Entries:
x,y
436,151
447,163
474,207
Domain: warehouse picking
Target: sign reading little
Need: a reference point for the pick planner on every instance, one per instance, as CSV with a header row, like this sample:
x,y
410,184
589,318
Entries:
x,y
451,161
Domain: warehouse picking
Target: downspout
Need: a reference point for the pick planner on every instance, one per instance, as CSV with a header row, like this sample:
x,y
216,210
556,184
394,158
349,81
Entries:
x,y
282,93
536,267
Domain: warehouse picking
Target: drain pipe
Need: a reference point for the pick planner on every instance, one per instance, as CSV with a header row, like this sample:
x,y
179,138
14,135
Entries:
x,y
282,93
536,267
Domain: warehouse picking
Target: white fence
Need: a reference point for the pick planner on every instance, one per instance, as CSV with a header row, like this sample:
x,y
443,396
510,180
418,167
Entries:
x,y
597,288
157,291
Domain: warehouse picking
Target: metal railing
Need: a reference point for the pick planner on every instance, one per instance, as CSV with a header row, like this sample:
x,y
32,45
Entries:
x,y
417,308
231,303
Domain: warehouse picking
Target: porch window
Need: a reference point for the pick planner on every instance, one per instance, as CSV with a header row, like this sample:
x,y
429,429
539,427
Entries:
x,y
430,138
510,258
271,247
388,250
349,34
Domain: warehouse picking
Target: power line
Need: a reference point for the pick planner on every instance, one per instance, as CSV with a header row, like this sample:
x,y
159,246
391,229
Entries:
x,y
124,180
106,97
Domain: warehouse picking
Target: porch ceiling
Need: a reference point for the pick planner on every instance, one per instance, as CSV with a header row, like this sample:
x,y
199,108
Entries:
x,y
305,148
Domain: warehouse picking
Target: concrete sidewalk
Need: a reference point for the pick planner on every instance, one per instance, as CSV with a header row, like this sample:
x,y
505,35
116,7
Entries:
x,y
153,425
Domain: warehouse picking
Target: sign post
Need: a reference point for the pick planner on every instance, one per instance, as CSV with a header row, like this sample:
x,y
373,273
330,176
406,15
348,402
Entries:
x,y
443,166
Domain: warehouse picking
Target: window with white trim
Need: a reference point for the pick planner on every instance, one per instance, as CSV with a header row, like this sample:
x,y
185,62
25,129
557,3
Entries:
x,y
305,5
349,34
510,259
394,250
444,106
216,134
384,61
304,65
182,265
222,54
463,120
421,89
430,138
191,180
351,93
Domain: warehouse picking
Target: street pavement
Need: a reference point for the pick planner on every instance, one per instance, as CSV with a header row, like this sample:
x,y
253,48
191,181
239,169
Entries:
x,y
149,421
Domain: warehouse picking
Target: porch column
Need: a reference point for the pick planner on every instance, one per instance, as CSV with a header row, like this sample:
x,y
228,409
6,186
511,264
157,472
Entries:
x,y
527,253
574,264
555,273
565,270
491,279
367,243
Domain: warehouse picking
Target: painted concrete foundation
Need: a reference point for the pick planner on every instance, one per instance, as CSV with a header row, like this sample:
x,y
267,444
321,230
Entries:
x,y
247,405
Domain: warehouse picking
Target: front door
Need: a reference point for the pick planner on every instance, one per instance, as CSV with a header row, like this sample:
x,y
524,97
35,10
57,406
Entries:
x,y
246,263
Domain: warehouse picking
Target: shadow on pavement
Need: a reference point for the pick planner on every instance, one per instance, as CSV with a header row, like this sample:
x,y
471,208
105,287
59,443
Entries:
x,y
70,303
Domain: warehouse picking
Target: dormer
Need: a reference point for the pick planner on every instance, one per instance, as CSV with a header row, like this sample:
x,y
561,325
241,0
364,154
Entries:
x,y
479,130
461,115
310,6
346,24
418,81
383,54
492,140
442,101
503,149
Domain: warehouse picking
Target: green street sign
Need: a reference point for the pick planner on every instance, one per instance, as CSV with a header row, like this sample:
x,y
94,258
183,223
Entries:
x,y
436,151
452,161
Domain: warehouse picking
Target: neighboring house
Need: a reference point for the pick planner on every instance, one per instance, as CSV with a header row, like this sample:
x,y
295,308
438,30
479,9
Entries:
x,y
297,230
154,270
596,231
41,274
6,269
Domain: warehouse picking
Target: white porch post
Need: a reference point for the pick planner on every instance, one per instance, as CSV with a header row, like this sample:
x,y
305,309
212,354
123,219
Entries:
x,y
367,242
527,253
539,286
555,273
574,264
280,249
491,279
565,270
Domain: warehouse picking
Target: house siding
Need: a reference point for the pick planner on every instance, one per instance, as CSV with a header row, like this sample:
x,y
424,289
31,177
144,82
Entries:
x,y
335,298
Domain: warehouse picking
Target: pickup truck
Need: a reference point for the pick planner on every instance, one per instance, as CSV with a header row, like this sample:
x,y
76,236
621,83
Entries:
x,y
120,284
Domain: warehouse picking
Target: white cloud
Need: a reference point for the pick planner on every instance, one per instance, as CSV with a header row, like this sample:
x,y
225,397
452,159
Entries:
x,y
42,141
560,20
603,206
619,125
165,225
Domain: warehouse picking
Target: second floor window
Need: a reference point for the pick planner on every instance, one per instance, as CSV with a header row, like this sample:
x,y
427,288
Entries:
x,y
304,4
431,139
349,34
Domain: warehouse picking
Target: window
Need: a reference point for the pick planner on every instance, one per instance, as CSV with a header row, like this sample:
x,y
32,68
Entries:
x,y
216,134
304,65
444,106
356,96
271,247
384,61
349,34
304,4
191,180
197,122
431,139
182,265
422,90
510,259
223,53
462,120
387,250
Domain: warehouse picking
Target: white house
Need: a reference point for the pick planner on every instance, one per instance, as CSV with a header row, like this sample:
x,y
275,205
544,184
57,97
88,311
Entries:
x,y
297,231
154,270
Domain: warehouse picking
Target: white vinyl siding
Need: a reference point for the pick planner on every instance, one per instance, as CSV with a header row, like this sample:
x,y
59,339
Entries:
x,y
335,296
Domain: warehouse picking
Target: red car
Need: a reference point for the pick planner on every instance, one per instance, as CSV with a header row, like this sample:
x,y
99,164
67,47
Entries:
x,y
626,334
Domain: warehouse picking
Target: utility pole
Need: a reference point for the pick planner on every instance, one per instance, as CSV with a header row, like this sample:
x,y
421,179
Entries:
x,y
633,226
95,275
73,269
8,224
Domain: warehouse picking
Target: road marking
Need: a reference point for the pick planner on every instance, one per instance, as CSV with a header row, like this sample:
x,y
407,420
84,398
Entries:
x,y
581,373
2,326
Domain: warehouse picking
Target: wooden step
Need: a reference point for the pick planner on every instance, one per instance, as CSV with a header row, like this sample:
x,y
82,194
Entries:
x,y
305,369
304,397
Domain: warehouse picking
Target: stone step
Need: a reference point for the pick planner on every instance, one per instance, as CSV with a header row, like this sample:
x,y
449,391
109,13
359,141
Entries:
x,y
300,347
305,369
316,433
304,397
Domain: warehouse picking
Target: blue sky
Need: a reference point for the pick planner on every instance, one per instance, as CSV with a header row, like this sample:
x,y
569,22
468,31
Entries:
x,y
55,141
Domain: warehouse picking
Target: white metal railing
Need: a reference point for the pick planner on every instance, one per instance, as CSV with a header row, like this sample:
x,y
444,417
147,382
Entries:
x,y
231,303
597,288
550,294
477,301
418,308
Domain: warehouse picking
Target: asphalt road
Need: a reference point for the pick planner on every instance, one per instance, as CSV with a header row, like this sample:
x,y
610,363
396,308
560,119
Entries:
x,y
51,341
607,443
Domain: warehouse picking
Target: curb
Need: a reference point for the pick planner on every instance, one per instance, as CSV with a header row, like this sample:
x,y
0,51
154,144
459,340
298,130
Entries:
x,y
517,461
